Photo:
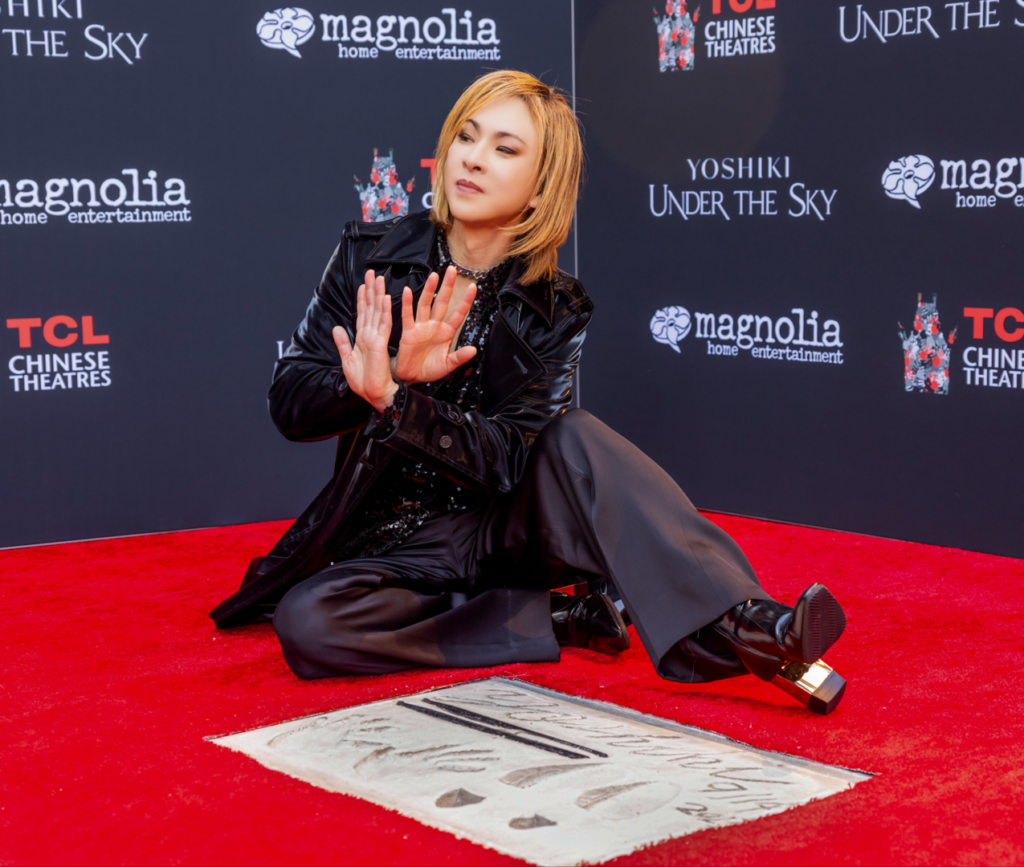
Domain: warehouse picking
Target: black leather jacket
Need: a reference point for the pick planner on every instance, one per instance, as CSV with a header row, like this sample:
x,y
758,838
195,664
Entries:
x,y
528,366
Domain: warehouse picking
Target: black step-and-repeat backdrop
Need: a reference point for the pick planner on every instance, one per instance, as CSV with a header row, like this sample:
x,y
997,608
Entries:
x,y
173,179
802,234
800,230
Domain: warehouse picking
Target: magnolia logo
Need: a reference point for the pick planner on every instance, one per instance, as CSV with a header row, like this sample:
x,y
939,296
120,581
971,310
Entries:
x,y
286,28
670,325
907,178
135,197
727,335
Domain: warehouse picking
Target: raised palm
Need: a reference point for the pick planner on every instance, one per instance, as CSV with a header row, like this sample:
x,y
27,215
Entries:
x,y
424,353
366,363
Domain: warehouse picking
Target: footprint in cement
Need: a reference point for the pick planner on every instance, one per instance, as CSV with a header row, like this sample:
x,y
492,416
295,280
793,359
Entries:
x,y
458,798
524,823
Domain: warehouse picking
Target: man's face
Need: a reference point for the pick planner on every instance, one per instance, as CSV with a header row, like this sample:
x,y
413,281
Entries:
x,y
491,170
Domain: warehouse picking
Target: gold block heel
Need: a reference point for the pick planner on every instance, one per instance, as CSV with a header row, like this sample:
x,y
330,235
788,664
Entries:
x,y
815,685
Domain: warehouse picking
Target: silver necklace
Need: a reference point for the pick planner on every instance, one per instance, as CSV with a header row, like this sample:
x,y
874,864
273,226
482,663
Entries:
x,y
447,259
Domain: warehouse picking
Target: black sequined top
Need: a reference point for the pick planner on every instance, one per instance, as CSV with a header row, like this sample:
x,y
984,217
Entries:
x,y
407,493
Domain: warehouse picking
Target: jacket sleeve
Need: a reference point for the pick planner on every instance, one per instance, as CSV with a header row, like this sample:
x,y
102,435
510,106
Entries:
x,y
309,398
488,453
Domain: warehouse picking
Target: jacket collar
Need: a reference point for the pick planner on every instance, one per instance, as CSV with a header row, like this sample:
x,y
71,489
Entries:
x,y
411,241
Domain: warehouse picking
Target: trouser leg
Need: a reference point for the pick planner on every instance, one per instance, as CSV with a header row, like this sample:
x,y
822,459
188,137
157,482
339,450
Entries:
x,y
403,610
592,501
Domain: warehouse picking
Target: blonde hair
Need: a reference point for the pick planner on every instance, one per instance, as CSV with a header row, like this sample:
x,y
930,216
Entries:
x,y
541,231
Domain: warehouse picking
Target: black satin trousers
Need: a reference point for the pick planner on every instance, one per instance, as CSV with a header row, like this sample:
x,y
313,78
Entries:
x,y
471,589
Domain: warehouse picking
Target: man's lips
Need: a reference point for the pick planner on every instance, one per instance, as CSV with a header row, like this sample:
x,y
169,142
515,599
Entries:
x,y
467,187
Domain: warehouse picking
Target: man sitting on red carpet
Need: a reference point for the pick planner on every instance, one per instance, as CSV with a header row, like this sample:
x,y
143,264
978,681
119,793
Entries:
x,y
465,489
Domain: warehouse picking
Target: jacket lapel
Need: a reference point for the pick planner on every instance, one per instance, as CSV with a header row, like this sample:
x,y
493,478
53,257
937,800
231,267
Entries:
x,y
510,366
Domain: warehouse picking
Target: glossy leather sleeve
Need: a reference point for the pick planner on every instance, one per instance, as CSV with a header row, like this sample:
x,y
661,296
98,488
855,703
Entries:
x,y
309,398
488,453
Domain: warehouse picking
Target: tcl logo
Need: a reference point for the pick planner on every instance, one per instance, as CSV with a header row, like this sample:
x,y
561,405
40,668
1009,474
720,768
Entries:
x,y
59,331
1008,322
741,5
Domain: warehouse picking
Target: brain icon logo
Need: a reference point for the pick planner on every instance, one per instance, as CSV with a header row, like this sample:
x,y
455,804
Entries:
x,y
907,178
286,28
670,325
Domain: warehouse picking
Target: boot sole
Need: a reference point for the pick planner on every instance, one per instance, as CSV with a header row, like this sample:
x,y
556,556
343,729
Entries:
x,y
820,620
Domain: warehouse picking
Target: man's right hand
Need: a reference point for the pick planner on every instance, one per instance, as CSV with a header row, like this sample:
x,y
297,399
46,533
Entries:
x,y
367,365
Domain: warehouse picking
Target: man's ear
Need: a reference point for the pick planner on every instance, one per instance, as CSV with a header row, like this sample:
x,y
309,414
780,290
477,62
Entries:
x,y
535,201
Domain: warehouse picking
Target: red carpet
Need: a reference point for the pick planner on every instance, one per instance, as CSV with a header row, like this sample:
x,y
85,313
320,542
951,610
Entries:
x,y
112,675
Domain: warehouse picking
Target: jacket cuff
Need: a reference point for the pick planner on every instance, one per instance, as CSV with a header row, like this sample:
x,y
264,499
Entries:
x,y
383,424
435,433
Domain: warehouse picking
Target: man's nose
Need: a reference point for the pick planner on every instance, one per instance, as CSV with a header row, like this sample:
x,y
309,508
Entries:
x,y
474,158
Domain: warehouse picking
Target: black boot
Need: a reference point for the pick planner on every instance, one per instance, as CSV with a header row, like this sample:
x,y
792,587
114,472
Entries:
x,y
590,621
785,645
